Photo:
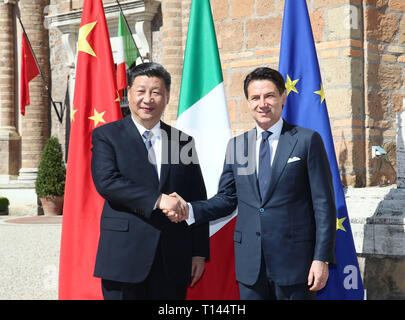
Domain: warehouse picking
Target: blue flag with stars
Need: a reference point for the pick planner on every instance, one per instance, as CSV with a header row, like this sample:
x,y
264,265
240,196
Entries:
x,y
306,107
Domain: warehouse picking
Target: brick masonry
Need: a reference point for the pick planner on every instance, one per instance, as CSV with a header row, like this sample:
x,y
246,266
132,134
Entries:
x,y
9,138
360,45
34,126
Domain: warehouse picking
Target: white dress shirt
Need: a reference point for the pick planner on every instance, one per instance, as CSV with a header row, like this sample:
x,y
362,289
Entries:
x,y
272,140
156,145
156,141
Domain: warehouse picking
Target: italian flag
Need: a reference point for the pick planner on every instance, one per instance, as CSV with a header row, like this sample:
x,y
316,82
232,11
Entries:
x,y
203,114
127,53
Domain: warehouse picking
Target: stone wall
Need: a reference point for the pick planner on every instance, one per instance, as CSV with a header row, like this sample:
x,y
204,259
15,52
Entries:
x,y
9,138
34,126
384,65
361,51
360,46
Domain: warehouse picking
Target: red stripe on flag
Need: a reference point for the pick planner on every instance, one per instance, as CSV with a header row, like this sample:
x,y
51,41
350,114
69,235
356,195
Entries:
x,y
219,279
121,78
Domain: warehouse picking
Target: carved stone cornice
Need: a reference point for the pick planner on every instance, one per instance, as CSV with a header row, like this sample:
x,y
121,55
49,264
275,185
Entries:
x,y
134,11
139,14
8,2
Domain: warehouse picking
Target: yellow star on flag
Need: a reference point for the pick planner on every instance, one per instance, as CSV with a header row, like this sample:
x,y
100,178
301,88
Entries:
x,y
72,117
321,93
83,44
290,85
97,118
339,224
118,99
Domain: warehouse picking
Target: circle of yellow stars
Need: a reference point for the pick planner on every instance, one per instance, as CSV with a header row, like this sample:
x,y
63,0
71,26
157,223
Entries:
x,y
339,224
290,86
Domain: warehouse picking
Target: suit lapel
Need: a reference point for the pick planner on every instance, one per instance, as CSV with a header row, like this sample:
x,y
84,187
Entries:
x,y
286,145
250,150
166,147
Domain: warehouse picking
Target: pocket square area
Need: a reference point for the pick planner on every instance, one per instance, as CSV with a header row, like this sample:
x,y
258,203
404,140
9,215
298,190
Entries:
x,y
293,159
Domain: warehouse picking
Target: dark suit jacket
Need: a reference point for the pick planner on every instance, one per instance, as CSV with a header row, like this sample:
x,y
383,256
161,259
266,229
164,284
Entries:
x,y
130,229
294,223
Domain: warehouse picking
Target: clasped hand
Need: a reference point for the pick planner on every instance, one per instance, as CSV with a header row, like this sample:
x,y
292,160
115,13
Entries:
x,y
173,206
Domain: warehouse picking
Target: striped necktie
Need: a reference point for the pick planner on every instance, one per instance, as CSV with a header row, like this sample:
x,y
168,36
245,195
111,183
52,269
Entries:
x,y
148,135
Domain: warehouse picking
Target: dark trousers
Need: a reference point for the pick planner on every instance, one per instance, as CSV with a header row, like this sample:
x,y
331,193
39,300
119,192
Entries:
x,y
266,289
156,286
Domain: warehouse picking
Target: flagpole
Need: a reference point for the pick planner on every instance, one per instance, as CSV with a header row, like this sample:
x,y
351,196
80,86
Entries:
x,y
40,71
129,28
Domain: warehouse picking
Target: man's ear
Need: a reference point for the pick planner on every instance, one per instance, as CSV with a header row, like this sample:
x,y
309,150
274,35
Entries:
x,y
128,92
167,97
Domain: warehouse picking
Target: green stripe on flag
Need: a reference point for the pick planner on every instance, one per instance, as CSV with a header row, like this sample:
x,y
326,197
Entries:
x,y
202,68
130,50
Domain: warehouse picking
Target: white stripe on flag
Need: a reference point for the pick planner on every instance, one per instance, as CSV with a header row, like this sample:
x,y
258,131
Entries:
x,y
120,51
207,122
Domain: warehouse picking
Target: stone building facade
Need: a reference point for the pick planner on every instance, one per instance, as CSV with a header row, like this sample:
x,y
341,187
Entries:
x,y
361,51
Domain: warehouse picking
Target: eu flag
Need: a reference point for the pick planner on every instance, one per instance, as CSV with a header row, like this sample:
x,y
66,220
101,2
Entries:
x,y
306,107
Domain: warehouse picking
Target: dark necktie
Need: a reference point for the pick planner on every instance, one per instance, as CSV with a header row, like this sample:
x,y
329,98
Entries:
x,y
151,153
264,163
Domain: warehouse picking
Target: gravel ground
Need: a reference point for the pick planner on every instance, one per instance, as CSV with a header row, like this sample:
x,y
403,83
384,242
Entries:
x,y
29,260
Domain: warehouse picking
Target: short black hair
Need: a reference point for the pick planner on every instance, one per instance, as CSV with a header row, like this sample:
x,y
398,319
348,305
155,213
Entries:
x,y
149,69
264,73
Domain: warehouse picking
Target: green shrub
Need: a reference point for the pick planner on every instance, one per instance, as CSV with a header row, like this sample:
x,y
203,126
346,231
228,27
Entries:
x,y
51,170
4,203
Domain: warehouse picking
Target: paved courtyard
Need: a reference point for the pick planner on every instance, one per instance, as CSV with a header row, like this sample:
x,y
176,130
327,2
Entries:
x,y
29,257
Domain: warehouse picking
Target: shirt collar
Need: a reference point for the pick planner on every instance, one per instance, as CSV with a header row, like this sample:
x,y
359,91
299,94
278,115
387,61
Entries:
x,y
275,129
155,130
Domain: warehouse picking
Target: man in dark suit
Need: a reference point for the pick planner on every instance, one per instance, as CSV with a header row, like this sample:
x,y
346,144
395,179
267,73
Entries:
x,y
135,165
278,176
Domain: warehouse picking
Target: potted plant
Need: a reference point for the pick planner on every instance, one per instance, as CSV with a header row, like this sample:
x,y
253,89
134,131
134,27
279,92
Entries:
x,y
4,203
50,183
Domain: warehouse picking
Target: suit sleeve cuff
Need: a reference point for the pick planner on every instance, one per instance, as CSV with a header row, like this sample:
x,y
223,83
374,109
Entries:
x,y
157,200
190,219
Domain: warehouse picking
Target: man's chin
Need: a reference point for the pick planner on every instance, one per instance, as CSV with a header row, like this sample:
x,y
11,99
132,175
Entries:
x,y
264,123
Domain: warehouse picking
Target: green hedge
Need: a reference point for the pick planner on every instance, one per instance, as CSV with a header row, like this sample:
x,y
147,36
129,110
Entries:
x,y
51,170
4,203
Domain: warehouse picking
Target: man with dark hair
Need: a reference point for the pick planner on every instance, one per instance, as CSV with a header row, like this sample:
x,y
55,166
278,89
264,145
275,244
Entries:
x,y
278,176
141,253
264,74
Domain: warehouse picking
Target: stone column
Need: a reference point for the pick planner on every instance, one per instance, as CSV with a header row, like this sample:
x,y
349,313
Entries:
x,y
9,138
36,122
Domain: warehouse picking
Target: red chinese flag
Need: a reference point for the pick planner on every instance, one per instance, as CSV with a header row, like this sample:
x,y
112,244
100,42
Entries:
x,y
29,70
95,103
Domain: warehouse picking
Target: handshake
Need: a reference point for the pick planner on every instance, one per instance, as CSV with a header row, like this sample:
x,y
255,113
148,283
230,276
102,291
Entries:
x,y
173,206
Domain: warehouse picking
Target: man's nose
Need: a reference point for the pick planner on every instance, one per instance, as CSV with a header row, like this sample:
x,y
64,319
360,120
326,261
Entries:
x,y
262,102
147,97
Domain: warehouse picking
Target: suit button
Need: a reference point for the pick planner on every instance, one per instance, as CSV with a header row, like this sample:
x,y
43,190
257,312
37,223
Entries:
x,y
261,210
258,234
